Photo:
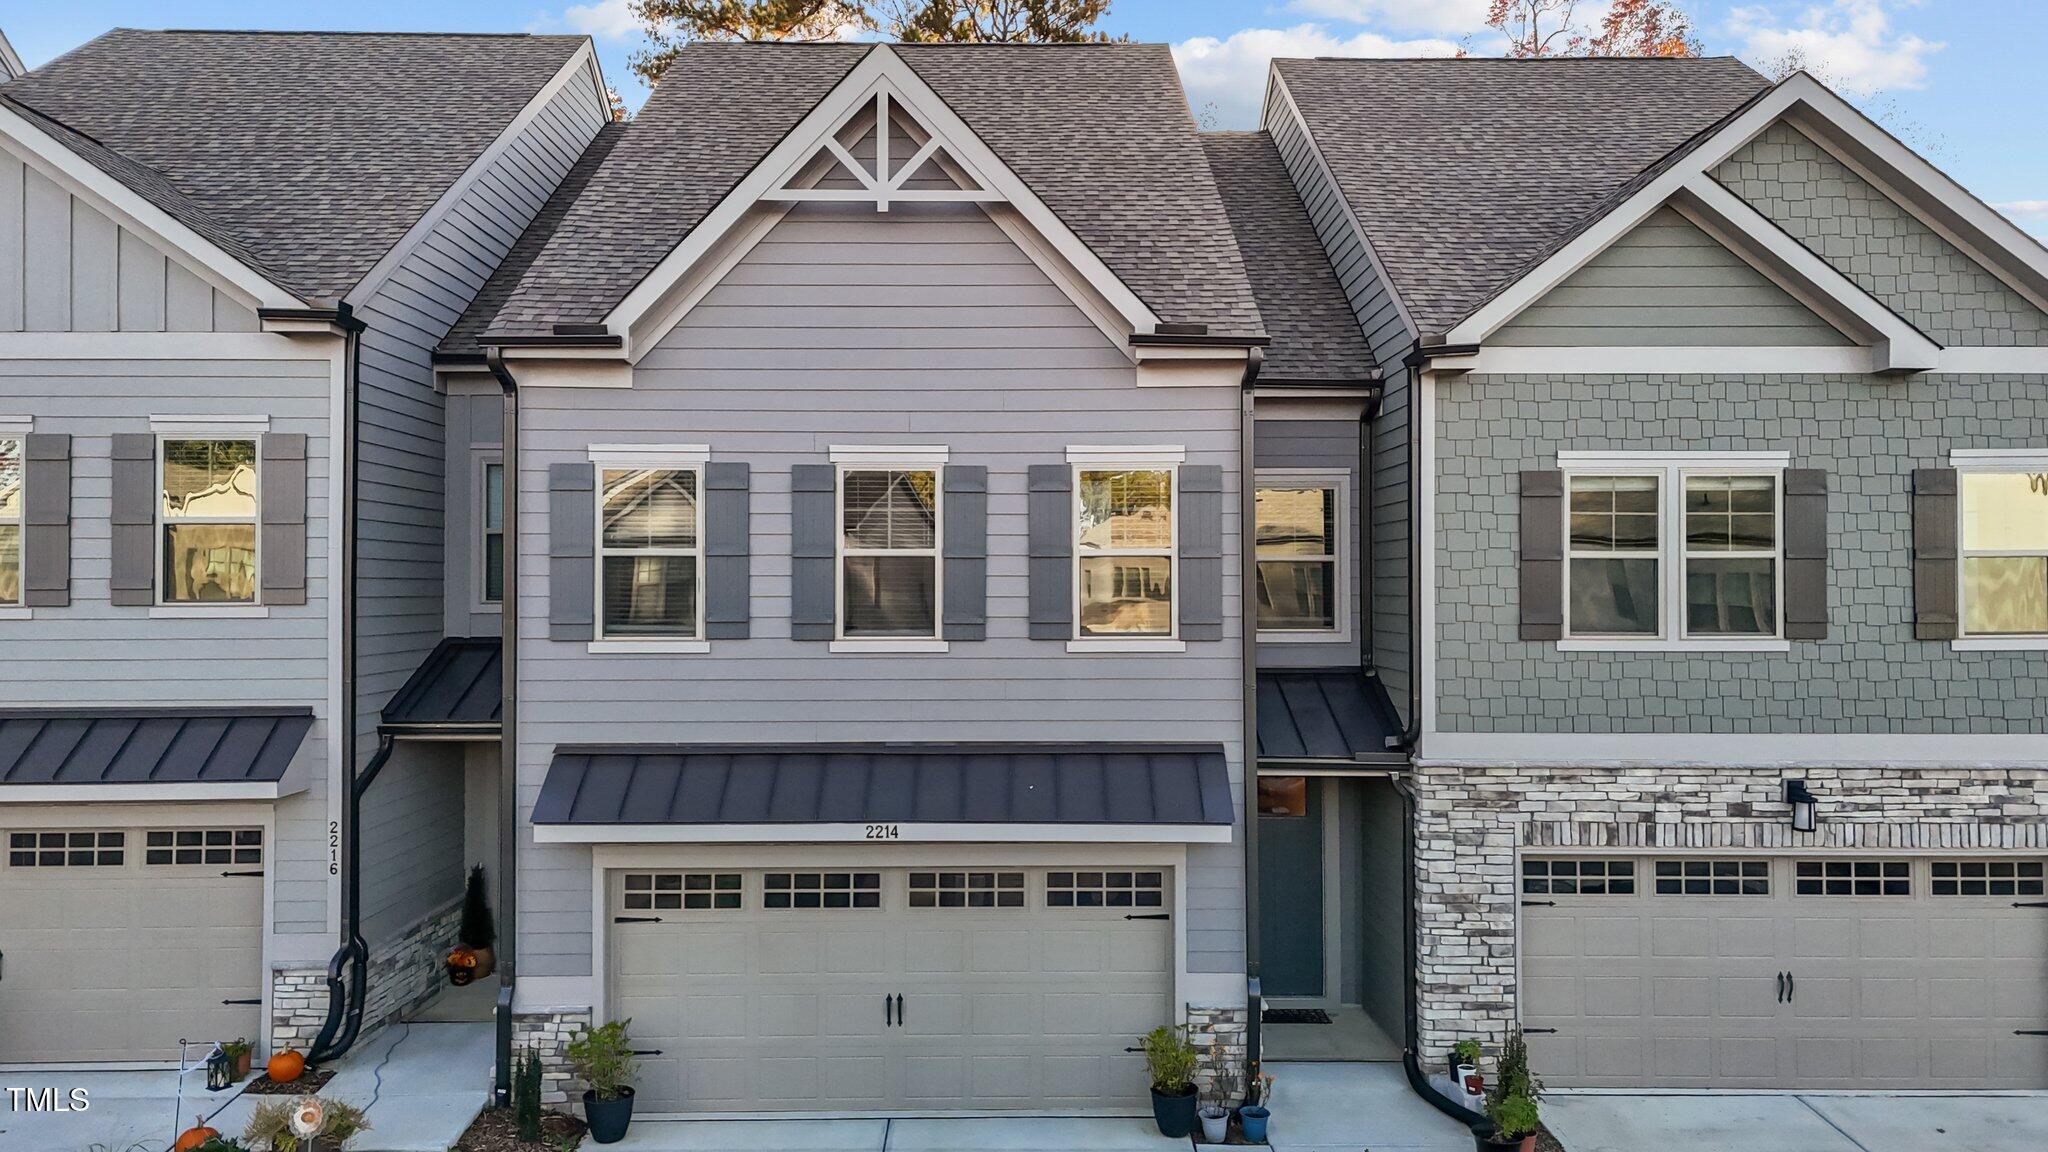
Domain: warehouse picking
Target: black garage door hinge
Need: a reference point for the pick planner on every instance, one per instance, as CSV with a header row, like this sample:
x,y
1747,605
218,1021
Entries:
x,y
636,919
257,872
1149,916
2030,903
2031,1032
646,1051
255,1001
1538,904
1539,1031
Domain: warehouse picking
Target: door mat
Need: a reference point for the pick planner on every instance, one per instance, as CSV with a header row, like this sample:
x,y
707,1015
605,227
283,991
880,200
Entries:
x,y
1295,1016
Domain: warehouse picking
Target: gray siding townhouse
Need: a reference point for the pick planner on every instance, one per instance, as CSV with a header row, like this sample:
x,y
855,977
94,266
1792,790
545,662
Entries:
x,y
1715,421
219,293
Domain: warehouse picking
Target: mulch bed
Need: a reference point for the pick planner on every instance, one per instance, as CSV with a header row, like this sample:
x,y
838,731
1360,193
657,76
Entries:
x,y
497,1131
1545,1142
306,1085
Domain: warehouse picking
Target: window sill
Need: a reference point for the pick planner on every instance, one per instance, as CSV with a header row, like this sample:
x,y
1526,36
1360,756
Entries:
x,y
873,647
1302,636
1729,645
209,612
1999,644
1106,646
649,647
11,613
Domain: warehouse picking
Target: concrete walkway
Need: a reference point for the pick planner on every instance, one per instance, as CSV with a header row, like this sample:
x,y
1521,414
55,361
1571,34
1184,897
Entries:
x,y
422,1083
1355,1107
1818,1122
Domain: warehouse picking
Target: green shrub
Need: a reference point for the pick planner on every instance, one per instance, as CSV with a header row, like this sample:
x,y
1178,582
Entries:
x,y
1511,1102
1513,1116
603,1059
479,930
1170,1060
526,1096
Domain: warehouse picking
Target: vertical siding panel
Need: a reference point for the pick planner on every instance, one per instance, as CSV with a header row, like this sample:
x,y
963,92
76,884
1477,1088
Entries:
x,y
12,173
188,300
46,257
95,270
142,285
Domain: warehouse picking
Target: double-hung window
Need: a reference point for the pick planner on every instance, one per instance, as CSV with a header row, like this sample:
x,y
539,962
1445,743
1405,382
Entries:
x,y
12,473
491,544
1301,520
207,539
2004,501
889,528
1673,551
649,551
1125,549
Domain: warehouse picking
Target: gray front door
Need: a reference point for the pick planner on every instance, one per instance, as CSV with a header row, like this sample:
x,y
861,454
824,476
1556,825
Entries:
x,y
1291,898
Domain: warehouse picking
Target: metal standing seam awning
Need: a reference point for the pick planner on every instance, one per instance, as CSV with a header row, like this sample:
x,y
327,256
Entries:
x,y
725,793
1326,720
59,755
454,694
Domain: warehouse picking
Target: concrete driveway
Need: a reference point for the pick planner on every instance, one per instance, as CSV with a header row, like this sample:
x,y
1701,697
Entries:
x,y
1818,1122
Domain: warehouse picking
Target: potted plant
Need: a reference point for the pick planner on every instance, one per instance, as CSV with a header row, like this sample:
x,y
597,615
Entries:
x,y
241,1053
1170,1062
1465,1067
474,956
1511,1104
305,1124
1254,1116
1215,1115
603,1059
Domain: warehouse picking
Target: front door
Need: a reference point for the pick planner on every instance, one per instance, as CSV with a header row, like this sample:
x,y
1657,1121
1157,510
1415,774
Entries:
x,y
1290,886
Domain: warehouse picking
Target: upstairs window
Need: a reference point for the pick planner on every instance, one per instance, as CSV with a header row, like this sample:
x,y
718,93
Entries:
x,y
207,539
2005,553
648,554
1614,556
11,497
1300,554
1731,555
1125,552
491,518
888,553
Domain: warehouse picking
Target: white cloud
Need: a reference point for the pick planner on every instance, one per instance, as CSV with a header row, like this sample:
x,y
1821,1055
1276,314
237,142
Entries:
x,y
1456,17
2031,214
1230,75
599,20
1849,44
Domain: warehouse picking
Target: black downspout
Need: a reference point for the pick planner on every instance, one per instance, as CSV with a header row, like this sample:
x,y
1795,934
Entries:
x,y
345,1007
1412,736
1411,1061
1248,600
508,731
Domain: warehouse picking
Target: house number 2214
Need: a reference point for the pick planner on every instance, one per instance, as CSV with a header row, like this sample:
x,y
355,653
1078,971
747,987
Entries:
x,y
885,832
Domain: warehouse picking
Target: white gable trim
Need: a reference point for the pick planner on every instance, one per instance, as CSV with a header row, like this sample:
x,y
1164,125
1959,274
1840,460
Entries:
x,y
641,318
1901,347
10,61
78,176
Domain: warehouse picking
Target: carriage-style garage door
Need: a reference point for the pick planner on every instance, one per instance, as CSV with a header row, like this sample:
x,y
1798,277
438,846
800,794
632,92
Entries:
x,y
117,943
800,990
1786,973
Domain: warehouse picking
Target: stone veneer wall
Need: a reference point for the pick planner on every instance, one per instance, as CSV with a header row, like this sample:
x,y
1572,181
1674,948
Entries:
x,y
1220,1039
404,974
548,1034
1471,823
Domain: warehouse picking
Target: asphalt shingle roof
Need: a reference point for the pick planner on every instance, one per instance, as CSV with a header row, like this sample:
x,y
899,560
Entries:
x,y
1315,335
315,151
1101,133
1463,172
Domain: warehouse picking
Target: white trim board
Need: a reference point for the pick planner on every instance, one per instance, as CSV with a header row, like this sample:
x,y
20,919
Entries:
x,y
291,785
1728,360
163,346
1734,750
904,833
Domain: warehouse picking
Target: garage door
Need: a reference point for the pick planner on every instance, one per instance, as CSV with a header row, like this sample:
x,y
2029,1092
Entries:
x,y
766,990
117,943
1786,973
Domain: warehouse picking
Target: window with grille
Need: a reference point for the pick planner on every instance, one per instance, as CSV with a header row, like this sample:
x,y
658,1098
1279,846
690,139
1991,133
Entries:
x,y
681,891
1989,878
202,846
1124,554
649,558
11,503
1853,878
1105,890
889,552
821,890
966,889
207,525
1541,877
89,849
1713,878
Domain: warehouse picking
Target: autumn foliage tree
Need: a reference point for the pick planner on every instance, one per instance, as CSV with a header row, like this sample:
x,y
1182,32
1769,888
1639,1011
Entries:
x,y
998,21
1547,28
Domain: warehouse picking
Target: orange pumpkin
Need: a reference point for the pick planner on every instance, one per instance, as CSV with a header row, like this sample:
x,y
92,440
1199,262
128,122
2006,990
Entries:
x,y
194,1137
286,1066
464,957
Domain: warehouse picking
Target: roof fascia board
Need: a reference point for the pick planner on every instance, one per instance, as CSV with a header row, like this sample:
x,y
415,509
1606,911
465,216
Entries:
x,y
580,63
79,176
148,793
881,69
1277,86
10,60
911,831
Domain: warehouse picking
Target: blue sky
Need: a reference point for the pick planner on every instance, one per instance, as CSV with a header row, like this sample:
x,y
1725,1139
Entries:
x,y
1958,79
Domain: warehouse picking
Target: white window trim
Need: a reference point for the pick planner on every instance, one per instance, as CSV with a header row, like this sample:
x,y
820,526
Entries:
x,y
1989,460
846,459
1672,468
19,428
1158,459
1340,603
250,428
482,460
674,457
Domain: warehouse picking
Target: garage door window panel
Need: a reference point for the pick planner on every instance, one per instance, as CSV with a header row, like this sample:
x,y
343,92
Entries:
x,y
967,890
189,846
819,890
81,849
1853,878
1105,889
1989,878
1713,878
1556,877
682,891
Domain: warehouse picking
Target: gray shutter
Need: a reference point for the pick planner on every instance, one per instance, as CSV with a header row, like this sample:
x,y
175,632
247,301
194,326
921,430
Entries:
x,y
46,521
1201,552
281,485
1542,532
572,544
1934,554
728,592
966,553
131,577
1806,554
1052,551
813,496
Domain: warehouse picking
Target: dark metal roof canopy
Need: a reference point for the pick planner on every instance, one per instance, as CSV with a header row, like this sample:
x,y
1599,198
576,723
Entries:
x,y
187,746
1325,717
453,694
1178,784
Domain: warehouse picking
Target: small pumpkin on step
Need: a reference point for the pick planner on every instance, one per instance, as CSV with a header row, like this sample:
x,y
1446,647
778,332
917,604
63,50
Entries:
x,y
286,1066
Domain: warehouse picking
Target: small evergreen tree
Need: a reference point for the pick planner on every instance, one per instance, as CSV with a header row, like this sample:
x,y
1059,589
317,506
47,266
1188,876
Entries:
x,y
479,930
526,1096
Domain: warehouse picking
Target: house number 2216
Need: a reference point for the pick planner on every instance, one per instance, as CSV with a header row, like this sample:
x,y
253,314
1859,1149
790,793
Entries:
x,y
885,832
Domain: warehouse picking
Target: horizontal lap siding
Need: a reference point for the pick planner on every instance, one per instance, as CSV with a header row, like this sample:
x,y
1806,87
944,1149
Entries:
x,y
415,818
92,653
1326,446
845,327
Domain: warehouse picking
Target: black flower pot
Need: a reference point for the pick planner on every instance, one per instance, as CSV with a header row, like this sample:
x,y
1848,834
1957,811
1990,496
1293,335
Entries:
x,y
1485,1139
1175,1113
608,1118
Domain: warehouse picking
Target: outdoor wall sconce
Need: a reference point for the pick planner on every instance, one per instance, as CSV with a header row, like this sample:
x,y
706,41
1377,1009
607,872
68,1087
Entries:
x,y
1805,806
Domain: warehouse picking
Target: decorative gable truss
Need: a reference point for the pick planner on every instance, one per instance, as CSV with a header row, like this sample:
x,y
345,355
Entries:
x,y
880,134
1884,342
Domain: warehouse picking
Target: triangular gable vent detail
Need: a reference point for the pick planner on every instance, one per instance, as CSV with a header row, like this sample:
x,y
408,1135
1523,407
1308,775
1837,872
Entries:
x,y
895,149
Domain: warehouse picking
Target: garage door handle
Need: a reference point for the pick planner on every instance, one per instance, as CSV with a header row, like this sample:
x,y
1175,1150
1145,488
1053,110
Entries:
x,y
888,1010
1149,916
1781,987
257,872
1539,1031
636,919
646,1051
1791,988
1134,1049
255,1001
1538,904
2030,903
899,1009
2031,1032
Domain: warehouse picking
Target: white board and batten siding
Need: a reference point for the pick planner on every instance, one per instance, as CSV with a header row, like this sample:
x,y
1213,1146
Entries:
x,y
922,326
414,815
